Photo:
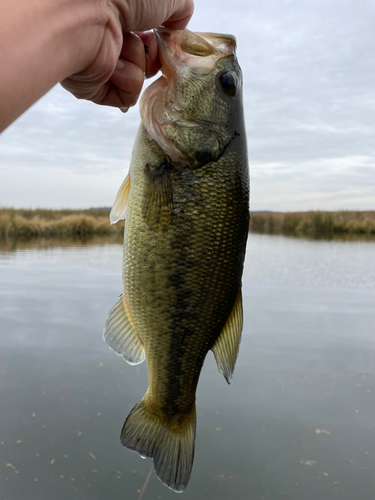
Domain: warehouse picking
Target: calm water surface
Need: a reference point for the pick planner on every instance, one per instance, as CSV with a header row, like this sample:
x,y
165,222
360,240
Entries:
x,y
297,422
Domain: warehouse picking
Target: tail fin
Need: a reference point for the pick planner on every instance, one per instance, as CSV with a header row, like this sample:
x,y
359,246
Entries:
x,y
170,444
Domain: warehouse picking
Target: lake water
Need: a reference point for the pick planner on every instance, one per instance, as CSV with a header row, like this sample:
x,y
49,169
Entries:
x,y
297,422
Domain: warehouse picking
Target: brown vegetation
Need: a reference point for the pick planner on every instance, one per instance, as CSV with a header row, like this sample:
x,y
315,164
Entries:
x,y
41,223
314,223
28,224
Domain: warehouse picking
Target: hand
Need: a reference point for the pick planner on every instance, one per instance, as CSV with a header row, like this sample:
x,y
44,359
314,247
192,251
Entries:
x,y
126,52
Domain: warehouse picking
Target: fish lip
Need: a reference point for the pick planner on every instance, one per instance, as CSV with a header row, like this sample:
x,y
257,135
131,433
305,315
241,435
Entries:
x,y
162,44
223,42
167,55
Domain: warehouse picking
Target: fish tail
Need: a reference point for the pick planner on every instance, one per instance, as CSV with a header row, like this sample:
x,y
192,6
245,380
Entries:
x,y
170,442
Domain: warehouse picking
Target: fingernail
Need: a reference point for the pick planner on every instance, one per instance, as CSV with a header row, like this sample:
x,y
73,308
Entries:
x,y
124,110
120,64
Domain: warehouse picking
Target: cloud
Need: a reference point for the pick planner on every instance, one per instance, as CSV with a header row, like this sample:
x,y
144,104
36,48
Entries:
x,y
309,72
323,184
61,132
63,188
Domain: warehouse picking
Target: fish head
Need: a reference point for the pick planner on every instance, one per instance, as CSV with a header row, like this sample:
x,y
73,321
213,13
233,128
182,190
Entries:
x,y
194,110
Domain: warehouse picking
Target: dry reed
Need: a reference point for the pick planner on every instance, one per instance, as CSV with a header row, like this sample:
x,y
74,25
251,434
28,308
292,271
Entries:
x,y
314,223
42,223
28,224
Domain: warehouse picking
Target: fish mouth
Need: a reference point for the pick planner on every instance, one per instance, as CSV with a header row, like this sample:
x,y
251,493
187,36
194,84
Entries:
x,y
197,51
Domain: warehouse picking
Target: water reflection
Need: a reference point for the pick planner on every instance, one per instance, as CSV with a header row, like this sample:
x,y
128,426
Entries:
x,y
11,245
306,364
319,237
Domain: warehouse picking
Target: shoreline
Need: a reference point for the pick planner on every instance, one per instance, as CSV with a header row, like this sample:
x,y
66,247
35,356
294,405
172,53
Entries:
x,y
25,224
314,223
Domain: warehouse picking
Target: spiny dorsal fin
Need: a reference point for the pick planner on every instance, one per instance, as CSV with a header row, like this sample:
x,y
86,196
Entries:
x,y
121,202
170,442
158,196
120,334
227,344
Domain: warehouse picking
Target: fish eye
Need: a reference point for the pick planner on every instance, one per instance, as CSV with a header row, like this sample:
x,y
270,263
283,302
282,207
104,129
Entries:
x,y
228,83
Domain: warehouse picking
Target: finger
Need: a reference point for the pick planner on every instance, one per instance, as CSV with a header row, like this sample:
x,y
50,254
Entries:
x,y
175,14
181,16
151,52
133,50
128,76
123,89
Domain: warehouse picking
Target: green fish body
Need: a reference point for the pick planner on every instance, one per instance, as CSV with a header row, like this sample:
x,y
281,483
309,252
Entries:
x,y
186,203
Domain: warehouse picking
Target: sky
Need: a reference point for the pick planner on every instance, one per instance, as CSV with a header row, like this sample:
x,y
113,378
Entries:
x,y
309,99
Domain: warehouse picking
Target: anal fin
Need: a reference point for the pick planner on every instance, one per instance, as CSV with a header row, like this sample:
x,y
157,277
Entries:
x,y
227,344
120,333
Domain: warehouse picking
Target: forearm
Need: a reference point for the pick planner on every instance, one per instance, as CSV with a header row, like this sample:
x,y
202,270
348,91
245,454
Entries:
x,y
41,43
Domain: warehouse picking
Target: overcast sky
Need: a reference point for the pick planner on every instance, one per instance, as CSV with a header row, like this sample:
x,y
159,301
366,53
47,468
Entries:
x,y
309,73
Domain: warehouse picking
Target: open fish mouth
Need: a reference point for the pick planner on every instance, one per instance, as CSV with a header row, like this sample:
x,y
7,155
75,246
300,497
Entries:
x,y
197,51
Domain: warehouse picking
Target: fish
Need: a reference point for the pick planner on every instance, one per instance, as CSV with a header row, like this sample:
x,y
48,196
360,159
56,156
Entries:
x,y
185,203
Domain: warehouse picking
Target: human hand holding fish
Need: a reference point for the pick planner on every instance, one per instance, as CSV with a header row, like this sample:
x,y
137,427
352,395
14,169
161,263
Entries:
x,y
91,46
128,52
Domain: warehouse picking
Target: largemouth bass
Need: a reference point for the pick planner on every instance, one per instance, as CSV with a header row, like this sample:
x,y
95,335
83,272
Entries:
x,y
186,204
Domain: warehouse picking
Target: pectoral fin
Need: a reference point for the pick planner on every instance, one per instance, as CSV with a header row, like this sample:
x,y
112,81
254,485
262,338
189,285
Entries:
x,y
120,334
158,196
121,202
227,344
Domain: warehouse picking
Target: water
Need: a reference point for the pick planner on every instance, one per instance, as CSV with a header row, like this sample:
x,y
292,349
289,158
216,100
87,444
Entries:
x,y
306,365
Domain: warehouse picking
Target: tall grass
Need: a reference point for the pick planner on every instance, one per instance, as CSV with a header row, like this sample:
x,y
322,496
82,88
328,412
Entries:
x,y
41,223
314,224
28,224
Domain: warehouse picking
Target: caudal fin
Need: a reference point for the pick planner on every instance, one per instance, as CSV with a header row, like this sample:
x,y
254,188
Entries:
x,y
170,444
